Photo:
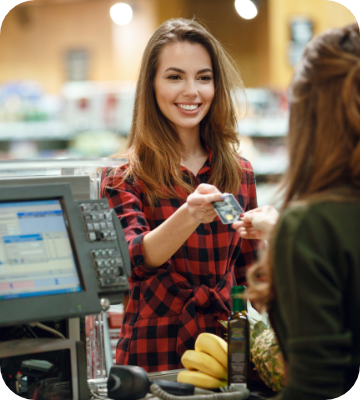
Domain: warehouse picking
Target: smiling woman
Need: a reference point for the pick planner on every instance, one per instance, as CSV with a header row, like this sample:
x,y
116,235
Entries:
x,y
184,93
182,156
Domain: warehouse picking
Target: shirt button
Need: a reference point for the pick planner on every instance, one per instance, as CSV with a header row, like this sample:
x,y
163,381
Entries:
x,y
211,276
207,232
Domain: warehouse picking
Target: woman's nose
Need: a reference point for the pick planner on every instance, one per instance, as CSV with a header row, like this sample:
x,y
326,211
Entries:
x,y
190,89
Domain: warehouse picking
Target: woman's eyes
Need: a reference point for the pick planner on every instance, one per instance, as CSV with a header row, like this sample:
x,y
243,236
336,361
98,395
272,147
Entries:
x,y
201,78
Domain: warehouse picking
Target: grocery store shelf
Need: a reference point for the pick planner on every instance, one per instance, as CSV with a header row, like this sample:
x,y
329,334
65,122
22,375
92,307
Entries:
x,y
42,130
264,127
60,130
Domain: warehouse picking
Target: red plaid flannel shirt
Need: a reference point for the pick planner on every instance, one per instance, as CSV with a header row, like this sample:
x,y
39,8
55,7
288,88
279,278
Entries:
x,y
171,305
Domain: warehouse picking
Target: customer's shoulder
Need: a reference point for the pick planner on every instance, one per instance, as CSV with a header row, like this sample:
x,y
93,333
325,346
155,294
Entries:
x,y
325,209
293,215
317,216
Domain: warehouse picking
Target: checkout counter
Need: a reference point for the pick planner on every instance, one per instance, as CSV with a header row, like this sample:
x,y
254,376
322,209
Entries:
x,y
63,256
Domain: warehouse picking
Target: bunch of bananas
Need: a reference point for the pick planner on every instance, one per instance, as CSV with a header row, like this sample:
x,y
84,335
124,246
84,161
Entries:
x,y
206,366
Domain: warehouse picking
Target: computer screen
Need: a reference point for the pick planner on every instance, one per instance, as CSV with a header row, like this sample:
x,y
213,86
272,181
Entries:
x,y
36,257
50,266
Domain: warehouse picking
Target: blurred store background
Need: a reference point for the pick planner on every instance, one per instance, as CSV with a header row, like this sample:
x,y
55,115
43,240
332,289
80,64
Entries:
x,y
68,70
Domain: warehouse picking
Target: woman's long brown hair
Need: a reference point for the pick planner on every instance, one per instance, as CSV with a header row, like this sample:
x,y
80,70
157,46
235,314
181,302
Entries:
x,y
324,135
154,149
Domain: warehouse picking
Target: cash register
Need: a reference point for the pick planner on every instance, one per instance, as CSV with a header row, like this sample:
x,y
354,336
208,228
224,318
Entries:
x,y
59,259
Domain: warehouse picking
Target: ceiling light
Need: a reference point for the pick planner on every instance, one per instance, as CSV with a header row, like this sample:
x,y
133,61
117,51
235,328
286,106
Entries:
x,y
246,9
121,13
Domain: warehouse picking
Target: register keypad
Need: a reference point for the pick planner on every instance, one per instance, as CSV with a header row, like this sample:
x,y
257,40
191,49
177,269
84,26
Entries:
x,y
98,222
109,266
106,248
99,227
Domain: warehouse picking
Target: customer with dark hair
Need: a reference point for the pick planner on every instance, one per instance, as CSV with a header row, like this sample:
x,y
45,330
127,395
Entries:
x,y
312,269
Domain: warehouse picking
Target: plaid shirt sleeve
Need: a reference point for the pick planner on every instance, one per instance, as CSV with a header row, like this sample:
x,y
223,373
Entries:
x,y
126,199
249,247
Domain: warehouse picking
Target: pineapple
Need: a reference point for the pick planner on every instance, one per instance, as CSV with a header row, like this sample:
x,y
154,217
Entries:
x,y
268,360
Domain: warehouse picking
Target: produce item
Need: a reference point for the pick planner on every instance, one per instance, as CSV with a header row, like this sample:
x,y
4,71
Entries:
x,y
213,345
268,360
206,366
198,361
201,380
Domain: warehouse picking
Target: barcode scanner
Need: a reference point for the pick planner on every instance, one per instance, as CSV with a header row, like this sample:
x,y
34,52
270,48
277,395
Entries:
x,y
128,382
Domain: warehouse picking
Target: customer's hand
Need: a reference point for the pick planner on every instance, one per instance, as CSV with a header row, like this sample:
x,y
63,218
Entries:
x,y
199,203
257,223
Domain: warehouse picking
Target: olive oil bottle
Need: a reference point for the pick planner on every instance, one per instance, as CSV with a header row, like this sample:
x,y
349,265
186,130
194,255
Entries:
x,y
238,339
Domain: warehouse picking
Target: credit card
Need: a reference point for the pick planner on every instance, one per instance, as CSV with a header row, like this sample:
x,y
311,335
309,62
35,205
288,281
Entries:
x,y
228,210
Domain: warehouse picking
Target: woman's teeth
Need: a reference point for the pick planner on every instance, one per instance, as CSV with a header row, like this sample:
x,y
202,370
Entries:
x,y
188,107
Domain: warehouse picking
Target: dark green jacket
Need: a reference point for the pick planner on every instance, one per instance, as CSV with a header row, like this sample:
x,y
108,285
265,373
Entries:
x,y
316,314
